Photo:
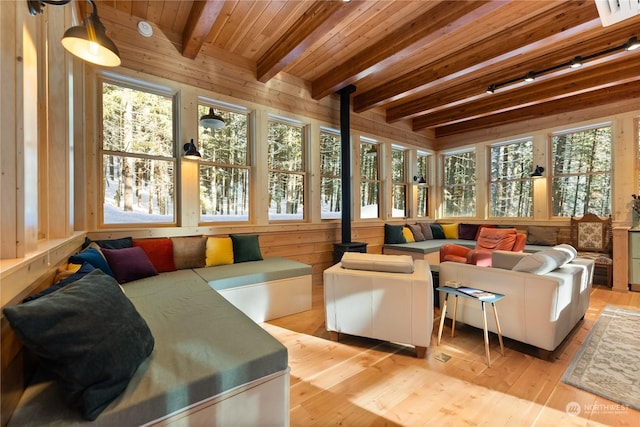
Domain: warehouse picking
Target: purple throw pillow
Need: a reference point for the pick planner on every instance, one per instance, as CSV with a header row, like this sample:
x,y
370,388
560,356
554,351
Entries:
x,y
129,264
467,231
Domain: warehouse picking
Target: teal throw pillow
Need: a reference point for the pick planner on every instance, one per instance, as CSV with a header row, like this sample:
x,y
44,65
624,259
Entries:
x,y
393,234
437,231
93,257
246,247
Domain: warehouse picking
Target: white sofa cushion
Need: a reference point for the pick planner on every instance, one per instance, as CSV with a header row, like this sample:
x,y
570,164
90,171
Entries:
x,y
542,262
378,262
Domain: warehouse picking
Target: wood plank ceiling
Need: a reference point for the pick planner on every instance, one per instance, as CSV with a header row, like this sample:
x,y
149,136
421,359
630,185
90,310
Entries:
x,y
429,62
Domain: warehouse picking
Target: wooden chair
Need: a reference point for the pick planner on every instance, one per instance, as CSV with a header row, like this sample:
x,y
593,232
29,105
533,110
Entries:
x,y
591,236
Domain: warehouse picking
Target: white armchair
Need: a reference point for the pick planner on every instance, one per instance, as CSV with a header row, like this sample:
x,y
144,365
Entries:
x,y
386,305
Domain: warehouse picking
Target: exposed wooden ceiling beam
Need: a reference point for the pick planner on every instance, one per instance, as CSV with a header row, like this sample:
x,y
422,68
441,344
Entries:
x,y
592,99
435,23
472,85
571,83
201,18
550,26
307,30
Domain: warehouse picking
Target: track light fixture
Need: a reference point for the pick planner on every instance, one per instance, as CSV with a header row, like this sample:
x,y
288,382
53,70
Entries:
x,y
88,41
578,61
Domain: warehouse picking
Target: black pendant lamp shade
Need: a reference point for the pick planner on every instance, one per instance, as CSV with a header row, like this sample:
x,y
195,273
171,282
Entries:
x,y
212,120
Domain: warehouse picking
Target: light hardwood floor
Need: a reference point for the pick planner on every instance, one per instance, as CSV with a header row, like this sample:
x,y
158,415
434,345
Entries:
x,y
363,382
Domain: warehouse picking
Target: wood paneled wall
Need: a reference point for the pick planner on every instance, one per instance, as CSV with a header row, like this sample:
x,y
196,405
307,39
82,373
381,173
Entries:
x,y
235,77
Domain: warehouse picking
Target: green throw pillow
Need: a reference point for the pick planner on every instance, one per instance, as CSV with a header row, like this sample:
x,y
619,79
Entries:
x,y
246,247
393,234
438,232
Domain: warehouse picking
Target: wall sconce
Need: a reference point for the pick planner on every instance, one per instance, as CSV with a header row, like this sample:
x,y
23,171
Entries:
x,y
191,152
537,173
212,120
88,41
577,62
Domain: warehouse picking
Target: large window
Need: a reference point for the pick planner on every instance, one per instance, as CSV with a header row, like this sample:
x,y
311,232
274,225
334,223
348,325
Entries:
x,y
511,189
398,176
138,155
286,171
330,173
224,168
581,174
424,179
459,191
369,179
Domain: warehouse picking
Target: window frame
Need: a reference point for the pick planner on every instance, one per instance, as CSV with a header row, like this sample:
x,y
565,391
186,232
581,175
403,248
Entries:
x,y
553,175
376,145
226,108
402,183
426,186
471,182
324,175
525,176
154,89
303,172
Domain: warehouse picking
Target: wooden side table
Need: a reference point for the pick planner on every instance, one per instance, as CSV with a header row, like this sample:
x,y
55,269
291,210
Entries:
x,y
456,293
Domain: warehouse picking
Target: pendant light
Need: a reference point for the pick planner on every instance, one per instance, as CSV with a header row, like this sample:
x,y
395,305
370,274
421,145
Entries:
x,y
88,41
212,120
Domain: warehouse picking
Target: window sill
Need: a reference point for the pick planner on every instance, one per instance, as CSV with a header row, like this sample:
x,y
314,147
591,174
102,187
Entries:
x,y
16,275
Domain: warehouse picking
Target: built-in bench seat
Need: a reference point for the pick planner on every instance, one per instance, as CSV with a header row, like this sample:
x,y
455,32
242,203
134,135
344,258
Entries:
x,y
263,290
207,353
212,364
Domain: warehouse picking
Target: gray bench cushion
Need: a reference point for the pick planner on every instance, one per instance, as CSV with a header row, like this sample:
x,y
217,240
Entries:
x,y
248,273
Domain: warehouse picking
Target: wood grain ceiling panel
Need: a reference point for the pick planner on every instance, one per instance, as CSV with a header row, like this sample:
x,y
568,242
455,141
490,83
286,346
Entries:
x,y
425,61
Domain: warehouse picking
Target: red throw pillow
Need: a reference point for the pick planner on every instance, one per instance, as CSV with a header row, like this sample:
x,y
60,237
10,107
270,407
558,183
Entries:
x,y
159,251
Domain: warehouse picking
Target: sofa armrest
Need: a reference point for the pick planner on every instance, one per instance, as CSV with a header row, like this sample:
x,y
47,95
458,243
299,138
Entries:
x,y
453,252
479,257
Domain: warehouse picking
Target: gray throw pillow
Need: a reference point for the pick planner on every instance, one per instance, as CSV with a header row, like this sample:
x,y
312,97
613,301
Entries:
x,y
426,230
538,235
417,232
89,335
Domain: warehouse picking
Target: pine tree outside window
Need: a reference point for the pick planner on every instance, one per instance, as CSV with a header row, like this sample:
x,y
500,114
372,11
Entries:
x,y
581,172
369,179
511,185
330,172
286,170
459,190
138,154
224,168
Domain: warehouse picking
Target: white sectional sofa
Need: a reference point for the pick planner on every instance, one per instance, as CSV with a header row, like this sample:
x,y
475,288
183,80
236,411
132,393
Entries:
x,y
395,304
538,309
